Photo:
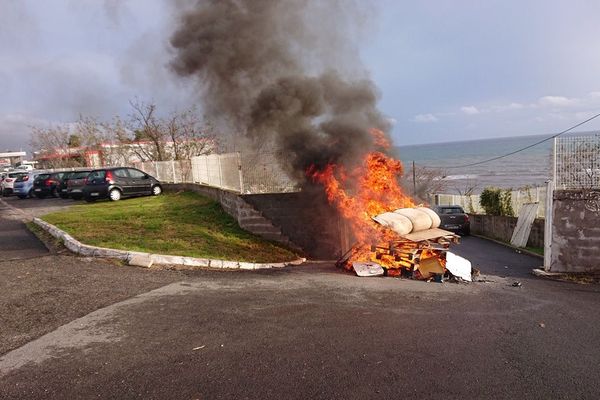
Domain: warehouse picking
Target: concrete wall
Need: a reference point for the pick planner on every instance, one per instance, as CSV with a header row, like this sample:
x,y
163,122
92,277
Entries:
x,y
301,220
575,233
307,219
501,228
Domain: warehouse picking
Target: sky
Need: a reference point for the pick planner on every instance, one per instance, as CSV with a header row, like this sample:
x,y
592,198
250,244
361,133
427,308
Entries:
x,y
446,70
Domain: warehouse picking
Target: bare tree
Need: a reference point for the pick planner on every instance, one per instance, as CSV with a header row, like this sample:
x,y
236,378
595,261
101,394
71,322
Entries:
x,y
143,136
52,146
180,136
427,182
467,189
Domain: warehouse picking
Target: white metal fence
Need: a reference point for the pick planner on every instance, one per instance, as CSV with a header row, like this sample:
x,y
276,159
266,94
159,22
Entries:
x,y
241,172
519,197
577,162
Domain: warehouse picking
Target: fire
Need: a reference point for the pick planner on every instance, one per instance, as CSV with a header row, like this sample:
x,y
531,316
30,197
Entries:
x,y
368,190
371,188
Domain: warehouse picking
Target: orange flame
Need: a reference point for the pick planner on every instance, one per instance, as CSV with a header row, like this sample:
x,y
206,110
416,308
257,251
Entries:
x,y
370,189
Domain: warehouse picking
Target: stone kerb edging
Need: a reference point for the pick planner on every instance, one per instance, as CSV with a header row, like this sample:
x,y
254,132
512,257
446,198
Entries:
x,y
92,251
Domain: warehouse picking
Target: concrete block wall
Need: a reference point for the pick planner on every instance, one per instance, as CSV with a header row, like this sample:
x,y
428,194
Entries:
x,y
305,217
502,227
301,221
575,233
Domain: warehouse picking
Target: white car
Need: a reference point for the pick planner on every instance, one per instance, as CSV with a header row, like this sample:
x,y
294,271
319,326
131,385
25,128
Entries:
x,y
7,185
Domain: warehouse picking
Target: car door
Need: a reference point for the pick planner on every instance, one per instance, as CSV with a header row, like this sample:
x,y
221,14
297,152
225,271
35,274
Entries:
x,y
140,181
124,181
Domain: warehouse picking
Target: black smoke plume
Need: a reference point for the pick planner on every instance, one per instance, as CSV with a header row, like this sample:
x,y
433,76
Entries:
x,y
282,74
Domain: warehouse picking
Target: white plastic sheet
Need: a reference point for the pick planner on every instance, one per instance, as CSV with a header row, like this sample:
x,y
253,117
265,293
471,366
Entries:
x,y
458,266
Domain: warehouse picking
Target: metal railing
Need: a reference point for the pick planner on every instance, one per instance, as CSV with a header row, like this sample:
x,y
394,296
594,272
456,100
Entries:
x,y
577,162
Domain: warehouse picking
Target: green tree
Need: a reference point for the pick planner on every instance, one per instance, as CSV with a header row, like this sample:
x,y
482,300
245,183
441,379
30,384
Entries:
x,y
497,201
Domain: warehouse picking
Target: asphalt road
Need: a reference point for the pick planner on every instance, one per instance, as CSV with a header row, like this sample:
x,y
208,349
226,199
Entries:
x,y
309,332
16,242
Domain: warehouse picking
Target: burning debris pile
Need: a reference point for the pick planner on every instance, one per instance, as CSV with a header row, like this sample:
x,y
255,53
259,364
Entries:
x,y
394,237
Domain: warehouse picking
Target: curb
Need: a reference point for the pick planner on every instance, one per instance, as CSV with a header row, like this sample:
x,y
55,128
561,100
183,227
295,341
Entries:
x,y
92,251
524,251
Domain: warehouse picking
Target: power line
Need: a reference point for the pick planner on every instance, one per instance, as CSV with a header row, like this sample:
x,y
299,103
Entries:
x,y
521,149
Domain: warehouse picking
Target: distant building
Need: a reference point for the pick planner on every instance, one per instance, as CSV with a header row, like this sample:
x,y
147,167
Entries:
x,y
11,158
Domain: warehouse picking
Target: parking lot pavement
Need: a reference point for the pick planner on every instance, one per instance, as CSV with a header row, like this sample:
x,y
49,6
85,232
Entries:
x,y
38,207
318,332
16,241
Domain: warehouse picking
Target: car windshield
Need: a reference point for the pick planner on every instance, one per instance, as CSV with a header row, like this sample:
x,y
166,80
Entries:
x,y
43,176
16,174
450,210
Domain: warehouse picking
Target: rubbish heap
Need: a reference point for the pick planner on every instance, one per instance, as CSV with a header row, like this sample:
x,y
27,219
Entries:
x,y
415,247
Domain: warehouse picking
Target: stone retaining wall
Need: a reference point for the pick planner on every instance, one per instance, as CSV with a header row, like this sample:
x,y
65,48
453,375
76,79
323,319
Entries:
x,y
306,218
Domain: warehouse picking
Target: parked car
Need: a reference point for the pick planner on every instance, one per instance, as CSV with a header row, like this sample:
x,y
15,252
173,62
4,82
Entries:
x,y
62,184
23,186
47,184
8,182
75,184
116,183
454,219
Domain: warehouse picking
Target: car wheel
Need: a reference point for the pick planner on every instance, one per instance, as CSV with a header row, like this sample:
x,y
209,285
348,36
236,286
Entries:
x,y
114,195
30,194
90,199
466,232
54,193
22,197
156,190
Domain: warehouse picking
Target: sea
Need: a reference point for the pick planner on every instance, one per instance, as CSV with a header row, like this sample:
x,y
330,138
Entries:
x,y
531,167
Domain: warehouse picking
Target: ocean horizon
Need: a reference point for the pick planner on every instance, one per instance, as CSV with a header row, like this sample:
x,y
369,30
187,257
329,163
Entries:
x,y
531,167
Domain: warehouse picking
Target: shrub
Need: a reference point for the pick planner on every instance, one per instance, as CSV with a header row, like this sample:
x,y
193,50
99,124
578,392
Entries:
x,y
496,201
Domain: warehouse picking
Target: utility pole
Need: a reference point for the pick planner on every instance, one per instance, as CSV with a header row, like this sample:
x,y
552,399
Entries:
x,y
414,179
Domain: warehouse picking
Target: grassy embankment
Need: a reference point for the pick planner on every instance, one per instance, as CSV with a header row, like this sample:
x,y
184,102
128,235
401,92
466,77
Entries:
x,y
185,224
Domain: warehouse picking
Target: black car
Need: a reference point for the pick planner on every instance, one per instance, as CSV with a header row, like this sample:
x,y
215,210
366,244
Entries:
x,y
47,184
115,183
75,184
62,184
454,219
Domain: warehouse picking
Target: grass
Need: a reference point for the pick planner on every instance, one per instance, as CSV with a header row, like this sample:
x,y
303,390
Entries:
x,y
536,250
185,224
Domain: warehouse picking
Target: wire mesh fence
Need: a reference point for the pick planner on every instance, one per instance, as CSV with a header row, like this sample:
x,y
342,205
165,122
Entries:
x,y
577,162
247,173
167,171
262,173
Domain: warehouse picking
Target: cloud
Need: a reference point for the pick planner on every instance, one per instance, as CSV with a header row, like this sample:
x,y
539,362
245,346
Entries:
x,y
557,101
470,110
424,118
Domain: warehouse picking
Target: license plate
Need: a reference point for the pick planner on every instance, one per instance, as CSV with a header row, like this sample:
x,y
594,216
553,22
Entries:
x,y
63,190
37,190
94,194
452,227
